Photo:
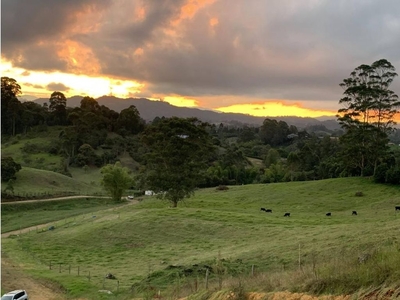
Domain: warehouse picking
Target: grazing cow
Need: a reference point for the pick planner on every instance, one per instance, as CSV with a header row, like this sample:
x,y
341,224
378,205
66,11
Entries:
x,y
268,210
263,209
354,213
328,214
397,207
286,215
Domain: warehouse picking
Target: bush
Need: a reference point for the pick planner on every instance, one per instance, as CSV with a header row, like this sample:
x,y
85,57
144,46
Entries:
x,y
359,194
222,188
9,168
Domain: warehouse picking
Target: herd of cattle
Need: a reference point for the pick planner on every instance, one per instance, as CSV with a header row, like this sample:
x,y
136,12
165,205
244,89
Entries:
x,y
328,214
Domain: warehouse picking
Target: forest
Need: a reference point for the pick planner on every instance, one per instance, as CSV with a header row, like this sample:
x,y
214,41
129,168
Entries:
x,y
93,135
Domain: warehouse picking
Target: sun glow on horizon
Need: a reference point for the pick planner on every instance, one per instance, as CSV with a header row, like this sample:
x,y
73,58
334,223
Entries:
x,y
275,109
41,83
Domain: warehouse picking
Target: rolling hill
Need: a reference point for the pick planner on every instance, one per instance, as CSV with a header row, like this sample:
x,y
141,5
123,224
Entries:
x,y
149,110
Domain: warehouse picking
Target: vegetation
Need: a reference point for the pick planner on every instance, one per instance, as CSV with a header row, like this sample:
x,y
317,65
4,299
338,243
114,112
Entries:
x,y
178,152
116,180
370,107
9,168
151,248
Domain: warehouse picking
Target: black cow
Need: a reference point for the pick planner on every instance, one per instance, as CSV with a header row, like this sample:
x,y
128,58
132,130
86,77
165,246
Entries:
x,y
268,210
397,207
286,215
354,213
328,214
263,209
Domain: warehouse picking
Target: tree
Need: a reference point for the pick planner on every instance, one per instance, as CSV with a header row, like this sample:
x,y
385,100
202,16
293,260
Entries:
x,y
129,120
10,105
9,168
178,152
116,180
367,116
58,107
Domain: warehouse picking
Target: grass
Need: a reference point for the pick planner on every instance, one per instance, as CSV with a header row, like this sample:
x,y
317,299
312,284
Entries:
x,y
23,215
153,247
32,181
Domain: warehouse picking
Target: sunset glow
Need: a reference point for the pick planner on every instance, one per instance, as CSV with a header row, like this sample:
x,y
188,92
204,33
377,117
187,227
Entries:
x,y
262,58
275,109
42,84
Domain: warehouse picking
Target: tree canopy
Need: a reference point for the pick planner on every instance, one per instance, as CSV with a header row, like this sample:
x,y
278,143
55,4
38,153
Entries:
x,y
116,180
367,116
179,150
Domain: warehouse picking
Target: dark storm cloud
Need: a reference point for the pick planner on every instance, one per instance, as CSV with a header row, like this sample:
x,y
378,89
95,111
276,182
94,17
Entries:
x,y
271,48
30,30
54,86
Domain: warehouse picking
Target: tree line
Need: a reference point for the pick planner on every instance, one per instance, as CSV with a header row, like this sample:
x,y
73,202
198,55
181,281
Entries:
x,y
178,155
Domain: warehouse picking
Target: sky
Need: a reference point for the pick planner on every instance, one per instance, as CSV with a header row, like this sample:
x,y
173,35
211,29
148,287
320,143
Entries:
x,y
259,57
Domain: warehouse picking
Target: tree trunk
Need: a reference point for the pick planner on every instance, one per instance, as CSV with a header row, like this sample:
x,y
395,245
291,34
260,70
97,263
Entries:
x,y
174,203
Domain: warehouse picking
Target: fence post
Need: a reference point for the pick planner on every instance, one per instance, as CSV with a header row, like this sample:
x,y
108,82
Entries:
x,y
50,265
78,270
89,276
117,286
299,258
207,279
59,271
252,270
69,269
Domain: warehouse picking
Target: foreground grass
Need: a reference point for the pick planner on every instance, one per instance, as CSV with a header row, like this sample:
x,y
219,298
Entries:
x,y
151,247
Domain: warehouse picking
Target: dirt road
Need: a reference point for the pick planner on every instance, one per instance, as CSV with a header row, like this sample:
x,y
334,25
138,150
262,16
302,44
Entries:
x,y
13,278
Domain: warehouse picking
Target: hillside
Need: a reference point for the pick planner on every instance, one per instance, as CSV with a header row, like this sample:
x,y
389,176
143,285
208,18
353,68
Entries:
x,y
151,241
36,183
149,110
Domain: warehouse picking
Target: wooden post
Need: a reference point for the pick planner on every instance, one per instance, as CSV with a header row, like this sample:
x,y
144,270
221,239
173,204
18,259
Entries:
x,y
89,276
78,270
252,270
59,269
50,265
299,258
104,282
117,286
207,279
69,269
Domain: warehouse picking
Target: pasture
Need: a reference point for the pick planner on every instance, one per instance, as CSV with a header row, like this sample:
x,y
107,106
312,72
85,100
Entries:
x,y
149,244
33,183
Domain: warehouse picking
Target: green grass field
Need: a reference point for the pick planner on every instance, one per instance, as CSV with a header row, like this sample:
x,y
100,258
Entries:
x,y
31,182
140,244
22,215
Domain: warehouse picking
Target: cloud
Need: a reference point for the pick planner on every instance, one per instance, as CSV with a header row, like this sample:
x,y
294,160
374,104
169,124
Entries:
x,y
53,86
267,49
36,86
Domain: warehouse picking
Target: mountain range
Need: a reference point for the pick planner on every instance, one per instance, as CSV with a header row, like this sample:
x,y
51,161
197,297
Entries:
x,y
150,109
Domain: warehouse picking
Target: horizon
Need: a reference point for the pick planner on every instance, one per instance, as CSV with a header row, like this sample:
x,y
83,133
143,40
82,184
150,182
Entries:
x,y
264,58
320,118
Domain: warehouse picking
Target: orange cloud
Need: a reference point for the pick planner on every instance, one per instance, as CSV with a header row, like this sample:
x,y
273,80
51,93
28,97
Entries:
x,y
80,58
213,22
275,109
190,9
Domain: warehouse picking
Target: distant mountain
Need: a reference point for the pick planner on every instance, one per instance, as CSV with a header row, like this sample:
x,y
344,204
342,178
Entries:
x,y
150,109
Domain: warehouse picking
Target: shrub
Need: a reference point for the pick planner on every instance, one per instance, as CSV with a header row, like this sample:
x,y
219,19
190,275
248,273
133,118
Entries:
x,y
9,168
359,194
222,188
